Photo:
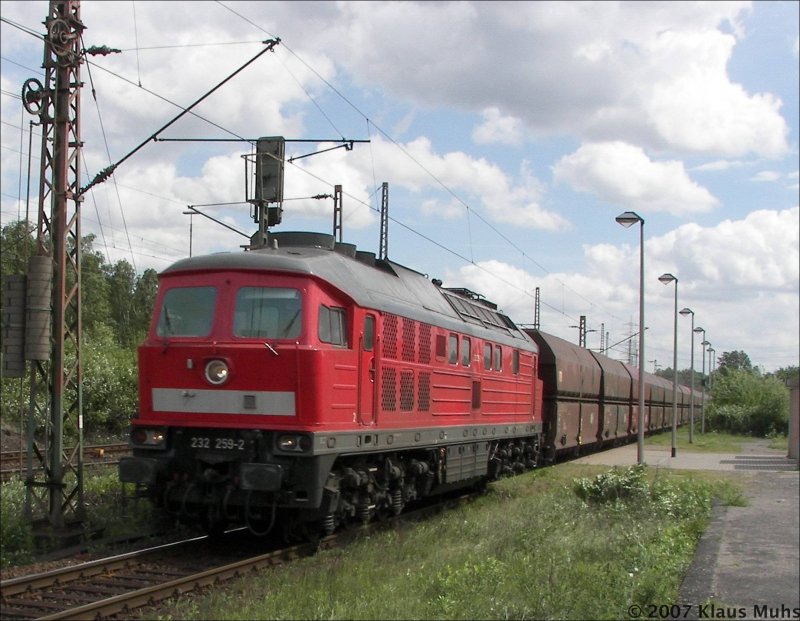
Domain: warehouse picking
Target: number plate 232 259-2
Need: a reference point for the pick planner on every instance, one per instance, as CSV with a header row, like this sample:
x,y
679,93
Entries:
x,y
217,444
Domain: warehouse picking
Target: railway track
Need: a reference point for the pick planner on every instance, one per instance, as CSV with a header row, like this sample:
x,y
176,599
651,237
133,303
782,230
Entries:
x,y
15,462
120,584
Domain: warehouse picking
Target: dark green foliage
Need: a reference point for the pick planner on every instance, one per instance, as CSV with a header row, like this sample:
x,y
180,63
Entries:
x,y
734,360
110,383
744,402
116,308
787,374
616,484
18,245
684,376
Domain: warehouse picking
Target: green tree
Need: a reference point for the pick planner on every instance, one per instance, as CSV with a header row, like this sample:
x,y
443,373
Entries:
x,y
110,383
784,374
144,300
731,360
109,359
121,283
684,376
96,309
18,243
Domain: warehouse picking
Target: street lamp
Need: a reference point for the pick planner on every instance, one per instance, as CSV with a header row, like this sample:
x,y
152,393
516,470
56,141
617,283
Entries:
x,y
698,329
689,311
704,343
666,279
628,219
709,349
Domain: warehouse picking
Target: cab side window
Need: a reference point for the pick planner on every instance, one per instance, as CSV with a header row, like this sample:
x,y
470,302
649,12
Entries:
x,y
452,350
332,325
466,352
369,332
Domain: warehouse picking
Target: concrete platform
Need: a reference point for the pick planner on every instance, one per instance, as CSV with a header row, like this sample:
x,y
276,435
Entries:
x,y
747,564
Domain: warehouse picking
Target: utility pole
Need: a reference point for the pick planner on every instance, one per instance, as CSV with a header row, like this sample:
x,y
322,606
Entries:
x,y
582,331
337,213
55,485
383,252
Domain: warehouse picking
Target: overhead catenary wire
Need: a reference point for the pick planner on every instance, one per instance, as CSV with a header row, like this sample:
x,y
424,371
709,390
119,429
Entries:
x,y
102,175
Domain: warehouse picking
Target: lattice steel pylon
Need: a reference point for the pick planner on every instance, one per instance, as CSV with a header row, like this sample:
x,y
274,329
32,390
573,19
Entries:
x,y
56,382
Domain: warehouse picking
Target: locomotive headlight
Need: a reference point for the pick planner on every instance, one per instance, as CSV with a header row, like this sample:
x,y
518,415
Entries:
x,y
294,443
217,372
146,437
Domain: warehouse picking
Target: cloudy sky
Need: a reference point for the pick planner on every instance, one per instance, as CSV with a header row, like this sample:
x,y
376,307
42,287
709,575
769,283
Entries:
x,y
511,134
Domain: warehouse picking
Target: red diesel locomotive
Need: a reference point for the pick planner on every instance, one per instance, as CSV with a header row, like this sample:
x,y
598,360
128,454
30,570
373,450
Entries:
x,y
308,384
317,382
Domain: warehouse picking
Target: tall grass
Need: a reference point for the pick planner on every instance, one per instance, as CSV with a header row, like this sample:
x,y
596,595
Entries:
x,y
555,544
108,511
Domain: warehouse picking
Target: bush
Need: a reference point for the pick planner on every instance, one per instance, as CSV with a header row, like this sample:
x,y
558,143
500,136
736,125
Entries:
x,y
616,484
735,419
746,403
110,396
16,534
109,386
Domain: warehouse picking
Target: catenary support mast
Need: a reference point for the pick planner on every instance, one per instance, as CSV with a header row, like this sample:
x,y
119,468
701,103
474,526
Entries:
x,y
55,484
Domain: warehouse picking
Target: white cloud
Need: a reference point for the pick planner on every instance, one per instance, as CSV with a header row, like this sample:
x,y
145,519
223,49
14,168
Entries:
x,y
622,174
696,107
482,184
497,128
652,73
718,165
766,175
731,274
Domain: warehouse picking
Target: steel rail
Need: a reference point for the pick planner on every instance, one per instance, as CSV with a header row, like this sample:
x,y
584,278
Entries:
x,y
151,594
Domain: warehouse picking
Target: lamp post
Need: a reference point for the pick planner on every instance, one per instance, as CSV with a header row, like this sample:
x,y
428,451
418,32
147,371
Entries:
x,y
666,279
712,365
628,219
191,221
689,311
704,343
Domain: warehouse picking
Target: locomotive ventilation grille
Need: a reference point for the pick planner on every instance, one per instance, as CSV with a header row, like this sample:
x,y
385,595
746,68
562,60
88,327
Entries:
x,y
405,340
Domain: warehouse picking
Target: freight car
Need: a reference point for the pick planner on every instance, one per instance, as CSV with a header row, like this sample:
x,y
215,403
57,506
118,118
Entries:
x,y
590,401
308,384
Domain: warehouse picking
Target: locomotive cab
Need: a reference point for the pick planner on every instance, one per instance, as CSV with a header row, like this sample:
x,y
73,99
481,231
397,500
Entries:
x,y
226,402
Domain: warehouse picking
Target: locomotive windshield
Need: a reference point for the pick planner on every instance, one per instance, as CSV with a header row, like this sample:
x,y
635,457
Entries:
x,y
187,311
267,312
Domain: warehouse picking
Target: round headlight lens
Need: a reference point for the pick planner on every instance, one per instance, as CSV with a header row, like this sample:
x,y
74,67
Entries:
x,y
217,372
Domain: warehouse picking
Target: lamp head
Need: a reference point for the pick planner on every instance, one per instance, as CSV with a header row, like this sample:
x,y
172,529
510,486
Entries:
x,y
699,329
629,218
687,311
667,278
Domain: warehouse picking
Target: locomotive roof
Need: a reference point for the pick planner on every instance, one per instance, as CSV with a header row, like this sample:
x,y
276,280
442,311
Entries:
x,y
373,283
